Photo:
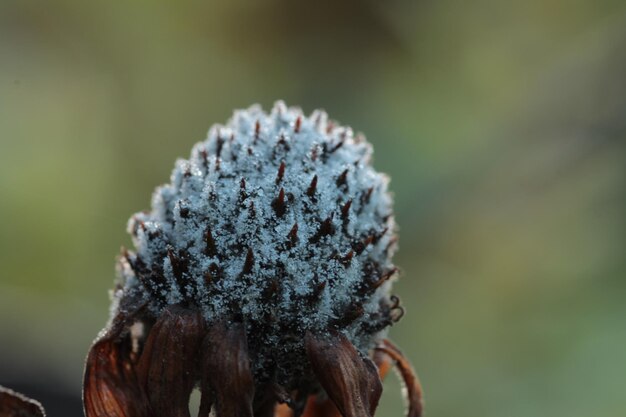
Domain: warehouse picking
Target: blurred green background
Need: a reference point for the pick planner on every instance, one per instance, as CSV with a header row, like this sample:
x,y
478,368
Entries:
x,y
502,125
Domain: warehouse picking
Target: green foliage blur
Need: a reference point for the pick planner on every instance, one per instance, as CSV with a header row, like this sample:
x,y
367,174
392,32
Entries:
x,y
502,125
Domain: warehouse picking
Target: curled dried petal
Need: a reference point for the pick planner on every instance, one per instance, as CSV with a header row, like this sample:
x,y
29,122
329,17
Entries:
x,y
110,387
349,379
411,382
226,370
168,363
14,404
383,363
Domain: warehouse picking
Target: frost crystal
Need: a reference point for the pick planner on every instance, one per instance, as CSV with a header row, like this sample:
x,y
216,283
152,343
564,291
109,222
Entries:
x,y
277,221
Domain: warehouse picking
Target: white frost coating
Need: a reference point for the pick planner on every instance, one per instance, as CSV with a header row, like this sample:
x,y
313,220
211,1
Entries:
x,y
229,189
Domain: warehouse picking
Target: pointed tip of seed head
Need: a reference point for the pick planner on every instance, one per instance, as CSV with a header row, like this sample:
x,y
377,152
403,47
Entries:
x,y
298,125
392,243
210,249
347,259
176,262
278,204
345,210
326,228
384,277
350,315
242,190
342,179
379,235
248,263
361,246
338,145
125,253
281,173
292,237
219,145
312,187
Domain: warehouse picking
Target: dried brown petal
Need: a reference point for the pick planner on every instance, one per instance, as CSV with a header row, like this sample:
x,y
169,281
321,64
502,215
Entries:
x,y
168,364
326,408
110,387
226,370
383,363
13,404
265,400
315,407
283,410
349,379
411,382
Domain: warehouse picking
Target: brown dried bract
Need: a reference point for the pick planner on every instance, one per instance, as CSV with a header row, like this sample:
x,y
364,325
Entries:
x,y
317,407
226,370
110,386
411,382
13,404
167,367
350,380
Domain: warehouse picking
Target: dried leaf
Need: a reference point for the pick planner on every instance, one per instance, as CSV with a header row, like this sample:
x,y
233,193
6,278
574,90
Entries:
x,y
13,404
227,371
349,379
167,368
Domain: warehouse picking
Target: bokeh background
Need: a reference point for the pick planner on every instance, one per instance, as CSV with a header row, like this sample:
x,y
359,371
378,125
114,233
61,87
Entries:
x,y
502,125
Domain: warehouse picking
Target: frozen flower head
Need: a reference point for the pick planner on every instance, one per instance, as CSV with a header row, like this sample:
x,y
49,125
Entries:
x,y
261,274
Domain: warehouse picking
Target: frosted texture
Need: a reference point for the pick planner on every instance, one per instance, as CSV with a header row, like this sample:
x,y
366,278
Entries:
x,y
277,220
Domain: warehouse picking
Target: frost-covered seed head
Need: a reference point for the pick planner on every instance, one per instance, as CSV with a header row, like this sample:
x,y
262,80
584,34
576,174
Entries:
x,y
277,221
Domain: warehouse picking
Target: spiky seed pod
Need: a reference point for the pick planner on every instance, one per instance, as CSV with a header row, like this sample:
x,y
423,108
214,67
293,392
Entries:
x,y
274,244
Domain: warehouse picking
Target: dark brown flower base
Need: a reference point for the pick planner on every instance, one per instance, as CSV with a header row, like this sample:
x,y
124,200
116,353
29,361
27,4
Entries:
x,y
127,377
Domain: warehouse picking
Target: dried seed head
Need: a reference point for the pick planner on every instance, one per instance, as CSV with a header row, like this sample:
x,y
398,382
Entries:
x,y
282,230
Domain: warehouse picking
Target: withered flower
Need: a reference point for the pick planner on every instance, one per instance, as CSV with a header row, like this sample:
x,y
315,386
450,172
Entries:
x,y
261,276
